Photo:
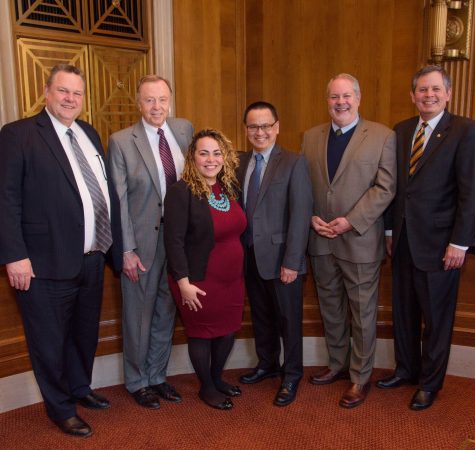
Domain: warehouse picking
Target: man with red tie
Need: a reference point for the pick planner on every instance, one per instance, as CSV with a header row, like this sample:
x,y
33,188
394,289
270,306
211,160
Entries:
x,y
146,158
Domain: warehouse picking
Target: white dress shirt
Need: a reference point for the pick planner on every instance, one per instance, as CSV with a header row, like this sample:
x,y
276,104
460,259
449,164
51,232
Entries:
x,y
97,166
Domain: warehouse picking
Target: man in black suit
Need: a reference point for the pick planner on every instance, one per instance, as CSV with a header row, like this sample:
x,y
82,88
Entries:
x,y
432,223
277,196
60,217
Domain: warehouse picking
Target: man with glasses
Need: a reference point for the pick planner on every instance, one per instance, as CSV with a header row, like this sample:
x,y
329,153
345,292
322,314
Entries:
x,y
277,197
353,166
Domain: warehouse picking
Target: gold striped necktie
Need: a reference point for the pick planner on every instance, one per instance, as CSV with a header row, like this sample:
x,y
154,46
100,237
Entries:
x,y
417,148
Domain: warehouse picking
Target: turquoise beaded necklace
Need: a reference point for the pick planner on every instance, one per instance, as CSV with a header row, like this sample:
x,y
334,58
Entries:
x,y
220,205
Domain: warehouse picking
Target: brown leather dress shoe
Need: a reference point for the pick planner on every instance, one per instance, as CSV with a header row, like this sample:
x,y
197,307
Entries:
x,y
74,426
327,376
355,395
422,400
167,392
147,398
94,401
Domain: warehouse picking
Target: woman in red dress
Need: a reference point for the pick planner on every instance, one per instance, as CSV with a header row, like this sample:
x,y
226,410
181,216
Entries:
x,y
203,225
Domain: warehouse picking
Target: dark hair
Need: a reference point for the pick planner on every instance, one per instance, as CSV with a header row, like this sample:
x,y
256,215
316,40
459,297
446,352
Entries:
x,y
260,105
429,69
68,68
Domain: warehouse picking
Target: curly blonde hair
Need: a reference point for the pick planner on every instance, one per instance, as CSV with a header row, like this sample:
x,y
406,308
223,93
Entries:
x,y
226,176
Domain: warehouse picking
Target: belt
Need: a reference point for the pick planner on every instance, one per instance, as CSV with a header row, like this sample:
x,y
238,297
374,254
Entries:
x,y
92,252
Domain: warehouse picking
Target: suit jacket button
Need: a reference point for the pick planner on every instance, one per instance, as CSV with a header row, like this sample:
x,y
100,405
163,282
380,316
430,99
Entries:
x,y
156,228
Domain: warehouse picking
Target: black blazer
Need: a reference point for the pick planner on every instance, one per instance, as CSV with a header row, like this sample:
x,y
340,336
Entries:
x,y
437,203
189,233
41,209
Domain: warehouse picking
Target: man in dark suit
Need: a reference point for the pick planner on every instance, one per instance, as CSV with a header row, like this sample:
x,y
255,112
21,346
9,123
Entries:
x,y
431,223
59,218
142,166
277,196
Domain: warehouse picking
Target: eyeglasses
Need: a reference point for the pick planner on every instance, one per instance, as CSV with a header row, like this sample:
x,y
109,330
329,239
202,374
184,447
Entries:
x,y
255,128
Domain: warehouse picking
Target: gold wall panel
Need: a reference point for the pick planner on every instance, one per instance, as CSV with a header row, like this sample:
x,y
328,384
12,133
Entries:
x,y
35,60
115,74
119,18
65,15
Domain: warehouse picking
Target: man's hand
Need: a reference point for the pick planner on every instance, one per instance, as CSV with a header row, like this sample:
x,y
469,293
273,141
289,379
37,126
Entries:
x,y
340,225
287,276
322,228
132,265
454,258
20,274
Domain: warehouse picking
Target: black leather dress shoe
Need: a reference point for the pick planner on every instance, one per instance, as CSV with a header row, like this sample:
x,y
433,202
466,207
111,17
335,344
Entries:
x,y
258,375
393,382
422,400
167,392
147,398
94,401
327,376
286,394
231,391
74,426
226,404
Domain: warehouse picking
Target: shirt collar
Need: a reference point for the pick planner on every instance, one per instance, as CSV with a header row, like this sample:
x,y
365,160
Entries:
x,y
154,130
432,123
265,153
59,127
347,127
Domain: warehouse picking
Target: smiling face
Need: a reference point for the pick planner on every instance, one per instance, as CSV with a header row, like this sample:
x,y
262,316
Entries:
x,y
430,95
154,102
64,97
261,139
343,102
209,159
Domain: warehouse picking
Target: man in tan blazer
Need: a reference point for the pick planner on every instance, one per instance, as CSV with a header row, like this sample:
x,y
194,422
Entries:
x,y
353,167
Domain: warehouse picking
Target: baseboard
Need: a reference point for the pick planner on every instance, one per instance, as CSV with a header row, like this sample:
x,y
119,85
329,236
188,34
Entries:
x,y
21,390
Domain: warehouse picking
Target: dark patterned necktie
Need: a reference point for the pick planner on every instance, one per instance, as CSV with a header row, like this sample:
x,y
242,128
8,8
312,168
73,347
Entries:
x,y
338,132
101,215
417,148
167,159
252,194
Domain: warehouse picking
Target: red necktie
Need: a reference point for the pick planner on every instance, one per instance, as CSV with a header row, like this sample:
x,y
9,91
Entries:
x,y
167,159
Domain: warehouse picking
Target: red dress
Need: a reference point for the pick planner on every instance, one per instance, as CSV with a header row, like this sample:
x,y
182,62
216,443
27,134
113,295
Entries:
x,y
224,281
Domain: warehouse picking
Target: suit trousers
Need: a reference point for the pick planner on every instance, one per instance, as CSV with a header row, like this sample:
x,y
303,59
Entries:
x,y
61,321
148,323
276,311
342,284
417,296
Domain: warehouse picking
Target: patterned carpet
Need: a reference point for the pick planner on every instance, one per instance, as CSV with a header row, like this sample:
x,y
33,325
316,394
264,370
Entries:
x,y
313,421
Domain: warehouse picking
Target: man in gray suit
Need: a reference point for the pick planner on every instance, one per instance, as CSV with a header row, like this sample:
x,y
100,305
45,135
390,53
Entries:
x,y
353,167
277,196
145,159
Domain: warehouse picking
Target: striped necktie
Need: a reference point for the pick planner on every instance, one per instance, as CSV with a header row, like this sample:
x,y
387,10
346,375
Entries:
x,y
417,148
167,159
101,215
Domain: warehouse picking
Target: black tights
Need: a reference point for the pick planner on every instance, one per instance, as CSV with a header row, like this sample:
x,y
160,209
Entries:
x,y
208,357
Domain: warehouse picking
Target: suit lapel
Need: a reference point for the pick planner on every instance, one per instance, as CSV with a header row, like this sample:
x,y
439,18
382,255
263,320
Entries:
x,y
436,138
143,147
49,135
180,135
322,153
274,160
359,136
